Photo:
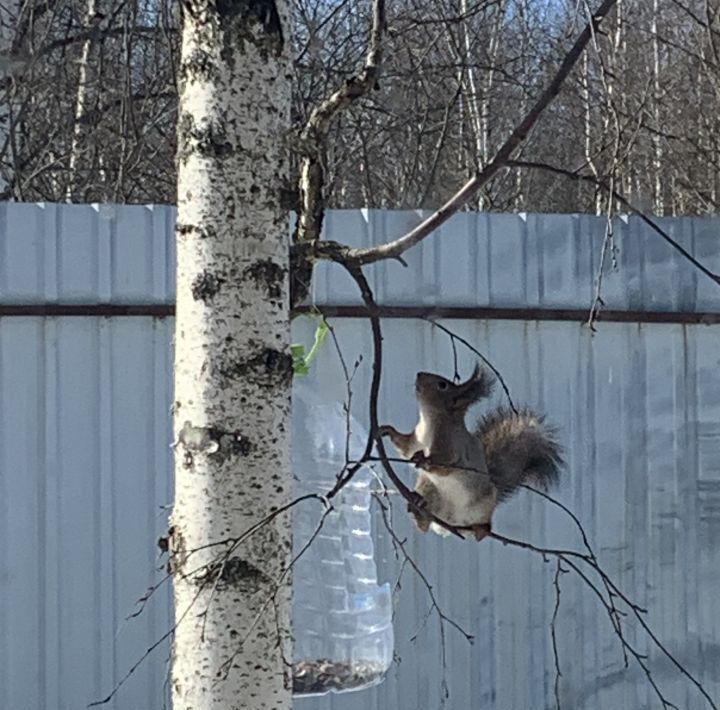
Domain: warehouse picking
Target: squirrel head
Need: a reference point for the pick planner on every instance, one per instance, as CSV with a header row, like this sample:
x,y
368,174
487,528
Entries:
x,y
440,394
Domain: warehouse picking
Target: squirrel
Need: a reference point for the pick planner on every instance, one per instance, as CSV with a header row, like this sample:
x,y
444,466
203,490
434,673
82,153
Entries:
x,y
463,475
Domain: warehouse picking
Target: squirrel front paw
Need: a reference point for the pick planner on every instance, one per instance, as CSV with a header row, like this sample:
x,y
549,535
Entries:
x,y
386,430
419,458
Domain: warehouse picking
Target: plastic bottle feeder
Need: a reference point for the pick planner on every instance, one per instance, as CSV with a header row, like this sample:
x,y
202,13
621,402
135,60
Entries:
x,y
342,617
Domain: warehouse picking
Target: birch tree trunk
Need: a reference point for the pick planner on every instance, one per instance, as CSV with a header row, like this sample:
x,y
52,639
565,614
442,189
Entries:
x,y
79,150
657,162
233,369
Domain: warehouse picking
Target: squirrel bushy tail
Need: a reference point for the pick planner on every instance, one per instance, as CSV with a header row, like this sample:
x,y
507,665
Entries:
x,y
519,449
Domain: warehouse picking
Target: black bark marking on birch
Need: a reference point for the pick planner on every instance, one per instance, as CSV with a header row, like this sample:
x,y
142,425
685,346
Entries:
x,y
234,572
269,368
205,232
206,286
199,65
185,127
238,19
176,551
208,140
212,142
267,274
163,541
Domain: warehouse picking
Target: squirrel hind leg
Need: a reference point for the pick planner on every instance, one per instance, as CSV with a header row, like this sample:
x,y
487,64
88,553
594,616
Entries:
x,y
419,514
426,499
422,522
417,507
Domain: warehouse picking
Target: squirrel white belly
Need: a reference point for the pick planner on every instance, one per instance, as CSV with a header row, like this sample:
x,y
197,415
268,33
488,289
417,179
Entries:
x,y
463,475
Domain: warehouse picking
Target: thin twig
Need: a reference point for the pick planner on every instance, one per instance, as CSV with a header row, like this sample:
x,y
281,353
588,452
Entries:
x,y
349,376
141,603
608,243
148,651
434,605
616,613
626,203
553,629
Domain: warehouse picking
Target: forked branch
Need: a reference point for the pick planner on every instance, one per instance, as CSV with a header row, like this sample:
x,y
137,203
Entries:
x,y
312,147
313,136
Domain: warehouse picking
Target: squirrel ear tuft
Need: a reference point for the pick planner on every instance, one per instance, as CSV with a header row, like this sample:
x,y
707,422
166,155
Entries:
x,y
478,386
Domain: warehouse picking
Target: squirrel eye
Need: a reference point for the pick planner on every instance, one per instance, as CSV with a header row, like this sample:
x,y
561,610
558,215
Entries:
x,y
442,385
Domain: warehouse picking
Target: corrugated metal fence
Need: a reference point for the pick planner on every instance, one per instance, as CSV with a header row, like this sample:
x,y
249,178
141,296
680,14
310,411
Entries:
x,y
85,463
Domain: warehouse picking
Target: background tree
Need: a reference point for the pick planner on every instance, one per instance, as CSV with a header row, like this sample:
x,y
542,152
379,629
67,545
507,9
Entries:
x,y
641,109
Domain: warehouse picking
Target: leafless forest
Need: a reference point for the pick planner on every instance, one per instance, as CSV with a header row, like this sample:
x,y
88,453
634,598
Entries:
x,y
90,102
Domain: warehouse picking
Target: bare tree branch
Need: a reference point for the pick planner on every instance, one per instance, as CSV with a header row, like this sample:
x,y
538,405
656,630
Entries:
x,y
395,248
313,148
553,635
